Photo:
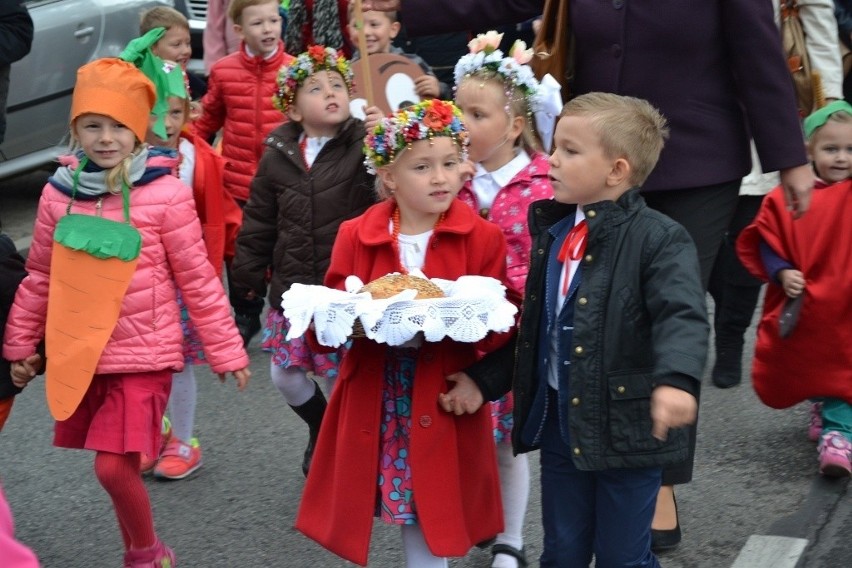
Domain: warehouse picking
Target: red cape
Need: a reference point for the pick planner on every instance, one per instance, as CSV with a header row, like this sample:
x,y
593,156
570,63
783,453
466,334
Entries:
x,y
816,359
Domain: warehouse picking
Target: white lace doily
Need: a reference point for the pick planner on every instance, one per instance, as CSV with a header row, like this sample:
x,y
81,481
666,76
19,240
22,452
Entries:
x,y
473,306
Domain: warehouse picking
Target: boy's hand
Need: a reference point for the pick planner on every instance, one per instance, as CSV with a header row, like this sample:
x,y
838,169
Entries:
x,y
427,87
671,408
372,116
24,371
793,282
241,376
464,398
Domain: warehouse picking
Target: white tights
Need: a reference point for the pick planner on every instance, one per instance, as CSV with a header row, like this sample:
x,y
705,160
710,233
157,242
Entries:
x,y
293,383
182,403
514,489
417,554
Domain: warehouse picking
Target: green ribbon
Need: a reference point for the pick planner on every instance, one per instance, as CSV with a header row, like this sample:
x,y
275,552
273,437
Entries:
x,y
166,76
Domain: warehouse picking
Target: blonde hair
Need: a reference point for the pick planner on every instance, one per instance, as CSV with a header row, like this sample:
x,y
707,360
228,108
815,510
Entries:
x,y
391,15
627,127
236,7
517,105
162,17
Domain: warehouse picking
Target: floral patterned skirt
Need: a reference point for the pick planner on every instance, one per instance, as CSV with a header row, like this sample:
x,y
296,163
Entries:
x,y
395,499
297,352
193,349
501,417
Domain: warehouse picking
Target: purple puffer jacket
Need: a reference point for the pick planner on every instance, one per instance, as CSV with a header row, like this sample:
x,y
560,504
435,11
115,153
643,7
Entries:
x,y
148,334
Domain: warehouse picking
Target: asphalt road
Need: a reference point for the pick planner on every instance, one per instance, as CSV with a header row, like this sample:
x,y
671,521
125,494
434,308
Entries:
x,y
756,499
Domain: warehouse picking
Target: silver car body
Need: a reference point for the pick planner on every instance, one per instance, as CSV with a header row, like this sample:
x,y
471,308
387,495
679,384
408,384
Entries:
x,y
68,34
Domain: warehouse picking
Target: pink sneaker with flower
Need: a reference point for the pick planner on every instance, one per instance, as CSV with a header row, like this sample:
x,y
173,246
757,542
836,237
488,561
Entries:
x,y
815,426
158,556
835,455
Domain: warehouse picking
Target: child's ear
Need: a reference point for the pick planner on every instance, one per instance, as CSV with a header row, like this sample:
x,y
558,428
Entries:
x,y
517,128
238,29
294,114
620,172
394,29
388,181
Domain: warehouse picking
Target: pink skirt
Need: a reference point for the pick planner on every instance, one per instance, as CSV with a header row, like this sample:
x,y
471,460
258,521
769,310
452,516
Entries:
x,y
120,413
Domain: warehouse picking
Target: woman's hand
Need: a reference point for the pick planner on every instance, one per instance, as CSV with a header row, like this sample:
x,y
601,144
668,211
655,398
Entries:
x,y
798,183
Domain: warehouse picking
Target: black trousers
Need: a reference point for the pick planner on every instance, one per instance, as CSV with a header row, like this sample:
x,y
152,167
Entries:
x,y
706,214
735,292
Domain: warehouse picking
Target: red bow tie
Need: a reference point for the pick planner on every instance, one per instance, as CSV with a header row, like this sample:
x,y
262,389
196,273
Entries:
x,y
575,243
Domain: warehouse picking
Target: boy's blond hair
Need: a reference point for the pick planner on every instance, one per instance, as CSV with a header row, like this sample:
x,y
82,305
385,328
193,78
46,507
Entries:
x,y
350,14
162,17
236,7
626,127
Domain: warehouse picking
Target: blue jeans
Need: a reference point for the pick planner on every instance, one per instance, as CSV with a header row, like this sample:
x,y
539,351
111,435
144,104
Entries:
x,y
606,513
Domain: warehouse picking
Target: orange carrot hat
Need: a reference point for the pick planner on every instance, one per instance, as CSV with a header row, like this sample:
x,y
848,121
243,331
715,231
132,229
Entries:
x,y
117,89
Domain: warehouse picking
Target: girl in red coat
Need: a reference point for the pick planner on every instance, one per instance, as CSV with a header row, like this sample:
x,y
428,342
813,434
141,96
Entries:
x,y
808,260
386,447
202,169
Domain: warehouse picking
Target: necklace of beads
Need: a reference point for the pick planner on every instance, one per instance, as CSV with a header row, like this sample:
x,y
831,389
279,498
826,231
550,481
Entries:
x,y
395,236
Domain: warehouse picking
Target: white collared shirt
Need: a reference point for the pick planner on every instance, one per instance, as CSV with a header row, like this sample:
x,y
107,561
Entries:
x,y
486,185
313,147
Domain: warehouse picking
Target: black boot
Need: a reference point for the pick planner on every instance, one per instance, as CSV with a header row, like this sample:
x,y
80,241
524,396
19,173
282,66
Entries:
x,y
311,412
728,370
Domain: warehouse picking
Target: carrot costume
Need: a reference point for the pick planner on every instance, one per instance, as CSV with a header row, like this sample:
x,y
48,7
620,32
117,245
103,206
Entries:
x,y
92,263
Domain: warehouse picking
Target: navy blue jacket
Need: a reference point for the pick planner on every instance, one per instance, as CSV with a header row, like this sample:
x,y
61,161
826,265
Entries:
x,y
639,321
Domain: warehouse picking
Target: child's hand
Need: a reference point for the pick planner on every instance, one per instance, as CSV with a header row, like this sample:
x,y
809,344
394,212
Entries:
x,y
24,371
241,376
372,116
793,282
427,87
671,408
464,398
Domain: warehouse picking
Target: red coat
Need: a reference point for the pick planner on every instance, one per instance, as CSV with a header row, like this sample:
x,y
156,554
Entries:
x,y
239,99
816,359
219,214
453,461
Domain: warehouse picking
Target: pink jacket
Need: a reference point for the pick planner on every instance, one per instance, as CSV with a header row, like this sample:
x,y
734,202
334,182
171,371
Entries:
x,y
509,212
148,334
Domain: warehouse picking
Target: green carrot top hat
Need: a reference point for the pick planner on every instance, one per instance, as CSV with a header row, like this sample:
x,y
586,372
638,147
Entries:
x,y
167,76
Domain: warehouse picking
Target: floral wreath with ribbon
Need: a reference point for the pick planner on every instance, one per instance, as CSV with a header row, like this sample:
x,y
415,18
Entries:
x,y
543,97
513,70
425,120
316,58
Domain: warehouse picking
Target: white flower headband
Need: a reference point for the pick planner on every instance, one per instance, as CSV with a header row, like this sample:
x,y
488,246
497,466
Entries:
x,y
543,98
512,69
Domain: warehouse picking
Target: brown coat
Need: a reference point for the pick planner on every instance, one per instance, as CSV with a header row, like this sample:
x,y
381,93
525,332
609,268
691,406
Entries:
x,y
292,215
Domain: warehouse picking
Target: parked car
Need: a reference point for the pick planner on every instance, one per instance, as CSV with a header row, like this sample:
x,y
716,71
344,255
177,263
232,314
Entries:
x,y
68,34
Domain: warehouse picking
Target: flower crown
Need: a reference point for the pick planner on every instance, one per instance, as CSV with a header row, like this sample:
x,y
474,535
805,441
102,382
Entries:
x,y
512,69
316,58
424,120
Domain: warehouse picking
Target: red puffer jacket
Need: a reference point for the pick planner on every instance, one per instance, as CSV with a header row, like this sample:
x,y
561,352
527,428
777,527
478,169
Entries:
x,y
239,98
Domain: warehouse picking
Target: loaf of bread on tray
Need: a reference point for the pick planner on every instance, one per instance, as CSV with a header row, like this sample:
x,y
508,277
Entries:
x,y
392,284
